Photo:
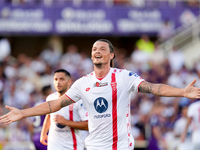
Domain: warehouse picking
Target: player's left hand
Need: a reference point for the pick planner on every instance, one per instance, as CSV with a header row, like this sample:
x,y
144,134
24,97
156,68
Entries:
x,y
191,91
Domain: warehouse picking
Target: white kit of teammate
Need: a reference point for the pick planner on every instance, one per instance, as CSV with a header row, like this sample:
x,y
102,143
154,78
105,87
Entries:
x,y
194,113
106,124
62,136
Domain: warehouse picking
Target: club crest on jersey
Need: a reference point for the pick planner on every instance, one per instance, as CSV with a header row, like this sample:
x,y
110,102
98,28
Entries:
x,y
99,84
101,105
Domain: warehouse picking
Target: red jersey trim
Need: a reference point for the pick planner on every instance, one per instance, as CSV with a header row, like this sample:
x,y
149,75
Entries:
x,y
72,129
101,78
139,85
70,98
114,111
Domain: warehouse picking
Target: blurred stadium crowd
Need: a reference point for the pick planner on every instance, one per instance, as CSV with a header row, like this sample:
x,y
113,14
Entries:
x,y
22,78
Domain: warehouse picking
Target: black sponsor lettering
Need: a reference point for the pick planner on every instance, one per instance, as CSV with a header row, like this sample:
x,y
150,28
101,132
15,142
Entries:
x,y
102,116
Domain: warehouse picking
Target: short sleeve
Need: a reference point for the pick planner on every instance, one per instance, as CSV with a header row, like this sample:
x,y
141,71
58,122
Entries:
x,y
132,80
74,92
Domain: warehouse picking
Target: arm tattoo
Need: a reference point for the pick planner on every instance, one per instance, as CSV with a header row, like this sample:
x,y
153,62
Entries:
x,y
145,87
159,88
65,103
50,107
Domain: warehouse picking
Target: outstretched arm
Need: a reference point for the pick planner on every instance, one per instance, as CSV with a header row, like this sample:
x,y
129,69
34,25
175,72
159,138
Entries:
x,y
42,109
168,91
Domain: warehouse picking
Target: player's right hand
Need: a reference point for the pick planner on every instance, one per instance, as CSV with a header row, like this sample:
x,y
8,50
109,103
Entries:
x,y
14,115
44,139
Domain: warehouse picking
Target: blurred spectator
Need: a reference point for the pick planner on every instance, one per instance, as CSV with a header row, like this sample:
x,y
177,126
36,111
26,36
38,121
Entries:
x,y
51,55
158,57
86,65
5,48
176,59
121,56
145,105
138,3
70,61
22,2
187,17
145,44
175,80
192,3
121,2
166,31
28,79
46,76
156,141
140,58
48,2
38,65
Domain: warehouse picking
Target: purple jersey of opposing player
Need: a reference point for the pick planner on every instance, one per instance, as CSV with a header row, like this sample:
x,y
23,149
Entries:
x,y
38,123
153,143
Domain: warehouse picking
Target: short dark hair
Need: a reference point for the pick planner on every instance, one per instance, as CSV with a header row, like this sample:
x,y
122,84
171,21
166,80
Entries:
x,y
45,90
112,50
64,71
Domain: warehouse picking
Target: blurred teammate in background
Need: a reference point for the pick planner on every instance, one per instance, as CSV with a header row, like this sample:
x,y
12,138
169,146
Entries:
x,y
193,115
61,129
38,121
106,95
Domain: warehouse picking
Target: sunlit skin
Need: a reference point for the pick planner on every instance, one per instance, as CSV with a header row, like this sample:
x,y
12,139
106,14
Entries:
x,y
61,82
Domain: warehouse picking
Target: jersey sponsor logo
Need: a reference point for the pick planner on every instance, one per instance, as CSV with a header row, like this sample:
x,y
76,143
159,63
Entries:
x,y
134,74
101,105
102,116
60,125
99,84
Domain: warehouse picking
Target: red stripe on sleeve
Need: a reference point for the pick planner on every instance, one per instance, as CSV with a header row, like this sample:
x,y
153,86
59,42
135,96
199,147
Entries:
x,y
70,98
139,85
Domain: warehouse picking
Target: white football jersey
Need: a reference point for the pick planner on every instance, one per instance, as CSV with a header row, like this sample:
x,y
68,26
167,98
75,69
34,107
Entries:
x,y
194,112
63,137
108,104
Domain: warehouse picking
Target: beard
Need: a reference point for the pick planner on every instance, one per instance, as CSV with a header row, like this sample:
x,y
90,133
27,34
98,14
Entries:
x,y
98,65
61,92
